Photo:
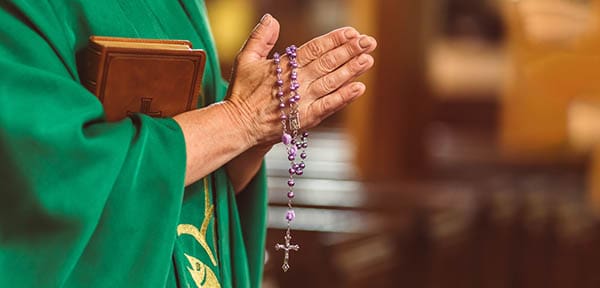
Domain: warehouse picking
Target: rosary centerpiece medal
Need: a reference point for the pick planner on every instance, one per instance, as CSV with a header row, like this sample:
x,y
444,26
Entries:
x,y
294,141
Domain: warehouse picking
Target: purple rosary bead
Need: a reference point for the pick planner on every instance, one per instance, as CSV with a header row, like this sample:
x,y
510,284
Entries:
x,y
292,150
286,139
291,195
292,171
290,215
299,172
301,166
291,183
303,155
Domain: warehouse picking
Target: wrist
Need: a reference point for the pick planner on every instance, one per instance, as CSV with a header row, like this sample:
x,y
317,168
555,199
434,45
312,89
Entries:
x,y
239,118
263,148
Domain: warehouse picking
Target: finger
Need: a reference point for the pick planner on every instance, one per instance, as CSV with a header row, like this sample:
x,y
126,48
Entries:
x,y
316,47
327,105
333,81
337,57
261,40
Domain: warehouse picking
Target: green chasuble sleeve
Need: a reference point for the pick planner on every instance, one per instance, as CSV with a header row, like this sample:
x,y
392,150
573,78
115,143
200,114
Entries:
x,y
88,203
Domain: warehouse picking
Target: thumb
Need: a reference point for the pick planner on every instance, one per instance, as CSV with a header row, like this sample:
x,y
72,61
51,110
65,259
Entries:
x,y
261,40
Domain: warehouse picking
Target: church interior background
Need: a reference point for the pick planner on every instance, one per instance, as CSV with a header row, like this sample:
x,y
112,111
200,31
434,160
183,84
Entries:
x,y
472,161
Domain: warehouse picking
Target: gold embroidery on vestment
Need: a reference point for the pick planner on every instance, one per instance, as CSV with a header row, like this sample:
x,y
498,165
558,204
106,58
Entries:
x,y
201,273
203,276
200,234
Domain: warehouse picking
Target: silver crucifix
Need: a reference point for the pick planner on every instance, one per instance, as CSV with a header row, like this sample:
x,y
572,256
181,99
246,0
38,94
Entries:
x,y
286,248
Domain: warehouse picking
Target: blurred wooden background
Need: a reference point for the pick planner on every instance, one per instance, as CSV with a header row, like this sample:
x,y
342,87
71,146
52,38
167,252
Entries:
x,y
471,162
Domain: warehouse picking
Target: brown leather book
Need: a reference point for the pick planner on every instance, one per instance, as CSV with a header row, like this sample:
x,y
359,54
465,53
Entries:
x,y
160,78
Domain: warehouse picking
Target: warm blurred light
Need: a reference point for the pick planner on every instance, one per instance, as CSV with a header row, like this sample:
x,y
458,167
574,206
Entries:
x,y
584,125
468,67
555,21
231,22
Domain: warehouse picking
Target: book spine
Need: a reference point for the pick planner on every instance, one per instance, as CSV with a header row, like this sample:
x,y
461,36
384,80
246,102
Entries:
x,y
93,64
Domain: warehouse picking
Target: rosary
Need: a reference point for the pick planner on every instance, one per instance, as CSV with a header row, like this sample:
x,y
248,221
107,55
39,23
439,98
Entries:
x,y
295,142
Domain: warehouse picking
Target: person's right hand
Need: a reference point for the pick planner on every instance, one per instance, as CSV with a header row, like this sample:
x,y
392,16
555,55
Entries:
x,y
328,67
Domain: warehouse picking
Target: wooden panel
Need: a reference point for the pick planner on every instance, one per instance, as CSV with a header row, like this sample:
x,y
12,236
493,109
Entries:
x,y
389,124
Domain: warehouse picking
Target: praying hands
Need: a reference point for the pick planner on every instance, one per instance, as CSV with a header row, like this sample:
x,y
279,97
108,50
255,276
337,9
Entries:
x,y
250,116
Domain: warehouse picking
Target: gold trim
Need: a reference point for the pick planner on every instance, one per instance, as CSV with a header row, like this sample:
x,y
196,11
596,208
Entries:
x,y
202,275
200,234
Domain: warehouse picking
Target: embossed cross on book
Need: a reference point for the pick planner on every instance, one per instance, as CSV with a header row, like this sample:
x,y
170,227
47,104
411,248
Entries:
x,y
145,108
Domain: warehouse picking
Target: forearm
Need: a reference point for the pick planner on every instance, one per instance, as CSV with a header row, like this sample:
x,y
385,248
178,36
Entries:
x,y
244,167
213,137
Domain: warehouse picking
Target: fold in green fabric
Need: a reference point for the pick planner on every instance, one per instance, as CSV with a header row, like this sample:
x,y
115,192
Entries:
x,y
88,203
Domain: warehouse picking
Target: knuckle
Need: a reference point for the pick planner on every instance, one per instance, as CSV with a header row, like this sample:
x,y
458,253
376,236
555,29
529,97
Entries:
x,y
239,57
341,99
350,95
327,63
326,107
354,68
314,49
338,37
255,35
345,73
345,95
350,50
328,83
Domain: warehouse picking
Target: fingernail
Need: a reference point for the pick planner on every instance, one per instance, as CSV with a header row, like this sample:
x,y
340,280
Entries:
x,y
356,89
364,42
350,33
266,19
363,59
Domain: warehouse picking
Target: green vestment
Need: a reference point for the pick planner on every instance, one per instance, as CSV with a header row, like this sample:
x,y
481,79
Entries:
x,y
88,203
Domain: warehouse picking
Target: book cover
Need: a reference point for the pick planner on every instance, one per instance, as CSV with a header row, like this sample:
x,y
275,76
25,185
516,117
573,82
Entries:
x,y
160,78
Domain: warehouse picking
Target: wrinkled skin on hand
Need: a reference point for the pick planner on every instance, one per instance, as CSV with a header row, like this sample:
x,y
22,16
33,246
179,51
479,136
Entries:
x,y
328,68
